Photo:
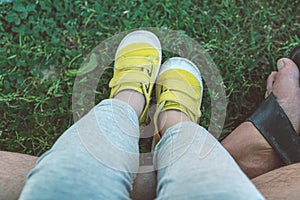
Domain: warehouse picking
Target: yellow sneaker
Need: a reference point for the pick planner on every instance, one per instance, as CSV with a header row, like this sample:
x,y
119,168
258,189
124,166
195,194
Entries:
x,y
178,87
137,64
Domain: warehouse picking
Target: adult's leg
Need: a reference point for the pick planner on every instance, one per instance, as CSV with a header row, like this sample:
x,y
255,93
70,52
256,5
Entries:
x,y
282,183
246,144
13,170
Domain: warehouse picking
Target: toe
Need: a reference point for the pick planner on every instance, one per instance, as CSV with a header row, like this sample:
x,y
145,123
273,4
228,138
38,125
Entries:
x,y
287,69
270,82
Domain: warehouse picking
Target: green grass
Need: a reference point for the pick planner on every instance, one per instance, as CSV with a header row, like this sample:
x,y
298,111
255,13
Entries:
x,y
43,43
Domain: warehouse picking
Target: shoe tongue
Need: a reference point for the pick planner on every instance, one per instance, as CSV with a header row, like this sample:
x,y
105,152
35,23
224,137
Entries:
x,y
138,49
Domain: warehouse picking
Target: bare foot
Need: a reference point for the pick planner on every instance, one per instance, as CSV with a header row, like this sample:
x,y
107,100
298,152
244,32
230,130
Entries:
x,y
246,145
285,86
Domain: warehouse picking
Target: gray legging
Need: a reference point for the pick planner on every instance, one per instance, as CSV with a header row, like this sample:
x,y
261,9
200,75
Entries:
x,y
98,158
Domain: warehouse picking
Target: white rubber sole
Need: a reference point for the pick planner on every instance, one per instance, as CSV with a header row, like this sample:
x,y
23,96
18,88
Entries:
x,y
142,36
183,64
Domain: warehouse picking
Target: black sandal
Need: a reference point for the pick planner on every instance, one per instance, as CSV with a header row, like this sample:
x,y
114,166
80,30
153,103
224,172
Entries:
x,y
273,123
295,56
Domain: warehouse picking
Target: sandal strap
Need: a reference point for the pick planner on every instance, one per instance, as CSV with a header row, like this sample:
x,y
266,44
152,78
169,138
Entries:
x,y
129,76
135,62
273,123
179,100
